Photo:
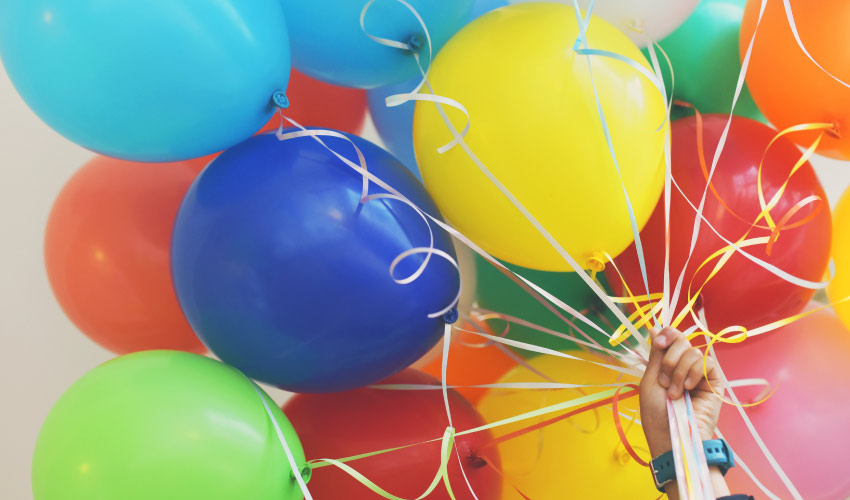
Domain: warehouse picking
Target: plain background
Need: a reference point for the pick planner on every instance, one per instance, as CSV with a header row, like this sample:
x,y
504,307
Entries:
x,y
42,352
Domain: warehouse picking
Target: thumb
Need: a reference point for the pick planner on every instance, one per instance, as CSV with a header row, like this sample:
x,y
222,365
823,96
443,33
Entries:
x,y
656,354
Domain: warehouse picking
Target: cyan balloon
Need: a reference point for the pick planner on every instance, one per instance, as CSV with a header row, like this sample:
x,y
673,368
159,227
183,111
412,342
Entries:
x,y
481,7
285,274
328,43
147,80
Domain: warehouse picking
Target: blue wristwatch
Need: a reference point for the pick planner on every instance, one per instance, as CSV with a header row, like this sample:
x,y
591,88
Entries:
x,y
717,454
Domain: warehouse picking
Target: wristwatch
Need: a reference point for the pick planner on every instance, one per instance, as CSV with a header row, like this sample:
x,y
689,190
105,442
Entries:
x,y
717,454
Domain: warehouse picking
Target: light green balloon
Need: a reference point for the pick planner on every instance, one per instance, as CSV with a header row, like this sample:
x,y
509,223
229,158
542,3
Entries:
x,y
164,425
705,58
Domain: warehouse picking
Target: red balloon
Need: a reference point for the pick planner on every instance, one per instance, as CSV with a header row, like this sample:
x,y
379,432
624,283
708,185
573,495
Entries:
x,y
314,103
349,423
742,293
804,422
106,249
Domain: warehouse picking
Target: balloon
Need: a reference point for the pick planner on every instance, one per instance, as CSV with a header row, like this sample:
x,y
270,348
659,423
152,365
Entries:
x,y
806,93
500,294
314,103
166,425
466,263
193,77
473,360
329,44
839,289
537,130
704,55
578,457
481,7
365,420
395,124
642,20
742,293
807,363
285,275
106,252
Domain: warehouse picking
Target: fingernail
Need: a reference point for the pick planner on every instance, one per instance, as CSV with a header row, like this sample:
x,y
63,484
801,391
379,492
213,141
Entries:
x,y
689,382
664,380
661,341
673,393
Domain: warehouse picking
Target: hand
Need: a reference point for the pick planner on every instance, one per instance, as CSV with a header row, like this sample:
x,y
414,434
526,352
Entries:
x,y
674,367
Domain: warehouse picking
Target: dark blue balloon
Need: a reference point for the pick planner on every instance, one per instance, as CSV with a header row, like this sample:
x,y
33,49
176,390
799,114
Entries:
x,y
284,274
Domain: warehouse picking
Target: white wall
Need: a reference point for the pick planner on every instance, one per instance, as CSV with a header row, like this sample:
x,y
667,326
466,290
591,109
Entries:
x,y
42,352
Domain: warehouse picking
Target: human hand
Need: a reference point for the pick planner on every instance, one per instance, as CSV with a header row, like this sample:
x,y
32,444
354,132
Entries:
x,y
675,366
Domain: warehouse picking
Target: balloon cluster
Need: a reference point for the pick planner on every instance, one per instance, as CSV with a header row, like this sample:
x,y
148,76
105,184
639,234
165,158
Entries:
x,y
556,183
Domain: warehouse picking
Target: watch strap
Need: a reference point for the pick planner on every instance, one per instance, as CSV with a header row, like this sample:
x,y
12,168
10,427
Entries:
x,y
717,454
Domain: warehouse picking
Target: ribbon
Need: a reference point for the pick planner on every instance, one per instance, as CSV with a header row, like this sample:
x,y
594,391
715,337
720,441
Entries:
x,y
620,432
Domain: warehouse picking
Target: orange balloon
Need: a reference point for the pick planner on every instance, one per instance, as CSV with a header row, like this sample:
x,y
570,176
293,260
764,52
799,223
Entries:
x,y
106,249
786,85
472,361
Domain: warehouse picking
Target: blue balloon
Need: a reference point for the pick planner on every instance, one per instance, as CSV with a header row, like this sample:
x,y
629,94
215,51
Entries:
x,y
147,80
284,274
395,125
481,7
328,43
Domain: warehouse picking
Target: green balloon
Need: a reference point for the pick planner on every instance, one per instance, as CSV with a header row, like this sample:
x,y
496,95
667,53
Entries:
x,y
705,58
498,293
164,425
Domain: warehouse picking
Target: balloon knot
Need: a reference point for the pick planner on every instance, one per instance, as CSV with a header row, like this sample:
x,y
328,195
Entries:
x,y
280,100
835,131
413,43
476,462
636,25
596,262
451,316
622,456
306,473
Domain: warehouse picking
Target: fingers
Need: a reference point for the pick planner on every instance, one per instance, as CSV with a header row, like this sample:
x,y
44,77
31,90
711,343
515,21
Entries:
x,y
690,362
671,359
712,374
656,354
680,366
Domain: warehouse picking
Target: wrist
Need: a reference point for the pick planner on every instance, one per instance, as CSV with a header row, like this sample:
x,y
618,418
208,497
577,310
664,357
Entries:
x,y
659,445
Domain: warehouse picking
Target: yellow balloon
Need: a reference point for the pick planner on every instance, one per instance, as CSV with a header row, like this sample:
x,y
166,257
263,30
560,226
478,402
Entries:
x,y
840,286
535,125
579,457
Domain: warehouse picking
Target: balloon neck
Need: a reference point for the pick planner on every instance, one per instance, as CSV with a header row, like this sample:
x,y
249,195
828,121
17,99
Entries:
x,y
413,43
835,131
636,25
306,473
280,100
475,461
596,263
622,456
451,316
